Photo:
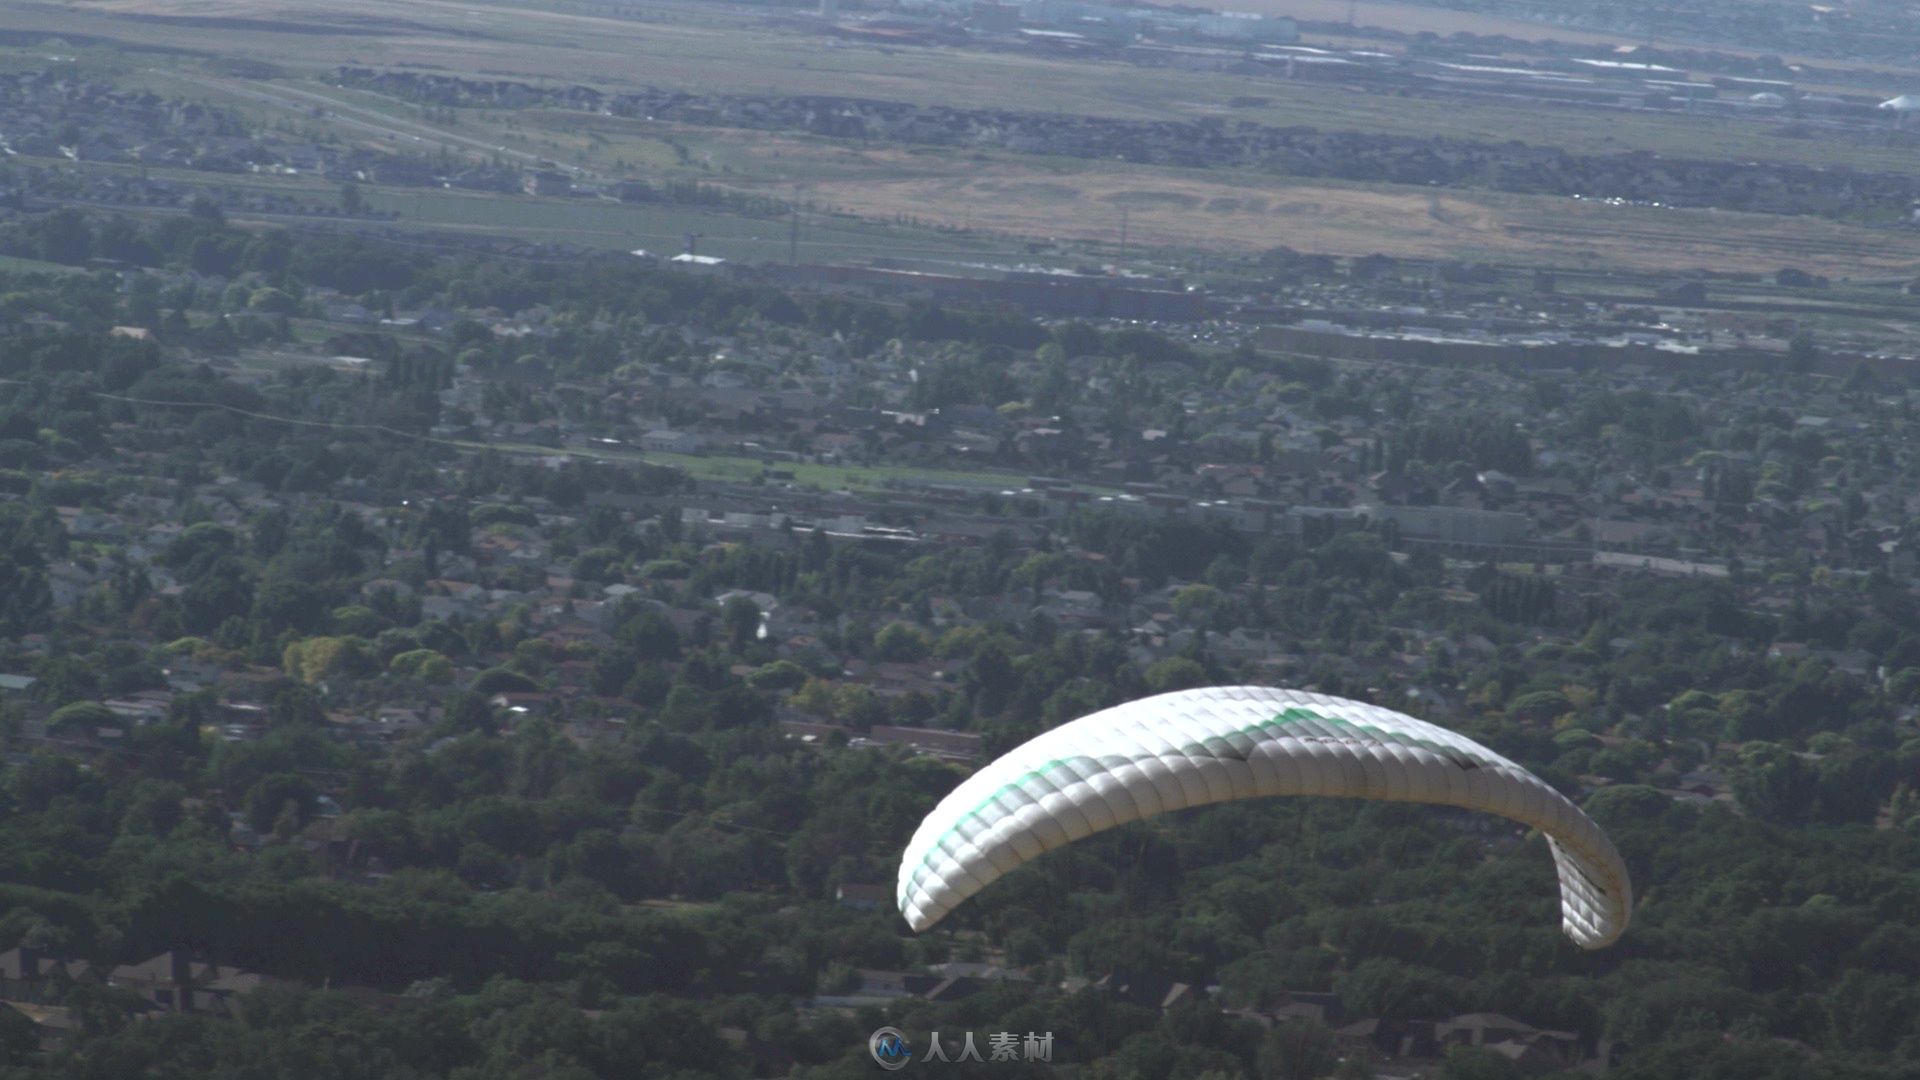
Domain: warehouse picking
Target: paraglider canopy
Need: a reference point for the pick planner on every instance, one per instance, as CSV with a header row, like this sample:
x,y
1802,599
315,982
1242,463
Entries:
x,y
1194,747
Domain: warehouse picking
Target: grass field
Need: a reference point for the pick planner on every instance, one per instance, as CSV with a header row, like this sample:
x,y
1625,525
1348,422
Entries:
x,y
594,222
717,151
726,49
985,202
1176,209
620,226
992,196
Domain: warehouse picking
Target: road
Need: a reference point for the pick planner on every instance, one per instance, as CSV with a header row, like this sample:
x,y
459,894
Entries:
x,y
360,118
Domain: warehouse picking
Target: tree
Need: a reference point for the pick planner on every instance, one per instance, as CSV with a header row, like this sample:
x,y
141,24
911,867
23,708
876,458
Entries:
x,y
424,664
272,301
1774,784
277,794
1195,602
82,719
224,592
282,603
1392,990
198,545
901,642
314,659
154,808
1176,673
651,636
992,678
293,705
1904,686
1298,1050
19,1039
497,680
1539,707
65,237
741,617
1802,353
779,675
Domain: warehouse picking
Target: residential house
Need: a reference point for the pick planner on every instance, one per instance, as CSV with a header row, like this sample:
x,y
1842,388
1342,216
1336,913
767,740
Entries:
x,y
174,982
27,973
1148,990
53,1025
951,745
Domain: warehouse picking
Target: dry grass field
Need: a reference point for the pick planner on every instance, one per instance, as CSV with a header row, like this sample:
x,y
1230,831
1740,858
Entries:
x,y
1006,196
1172,210
1234,211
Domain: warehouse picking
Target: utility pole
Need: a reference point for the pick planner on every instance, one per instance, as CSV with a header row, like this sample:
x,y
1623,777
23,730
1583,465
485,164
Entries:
x,y
793,238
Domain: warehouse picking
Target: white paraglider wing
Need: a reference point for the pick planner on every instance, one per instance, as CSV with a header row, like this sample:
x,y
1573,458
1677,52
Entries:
x,y
1195,747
